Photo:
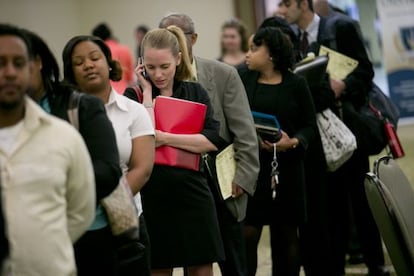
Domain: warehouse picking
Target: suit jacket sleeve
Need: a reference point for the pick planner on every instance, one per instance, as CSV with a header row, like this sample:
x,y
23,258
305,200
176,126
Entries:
x,y
211,125
99,136
240,124
350,43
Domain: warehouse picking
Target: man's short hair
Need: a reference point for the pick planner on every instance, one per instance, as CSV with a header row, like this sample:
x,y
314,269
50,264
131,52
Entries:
x,y
310,3
8,29
102,31
186,23
298,2
142,28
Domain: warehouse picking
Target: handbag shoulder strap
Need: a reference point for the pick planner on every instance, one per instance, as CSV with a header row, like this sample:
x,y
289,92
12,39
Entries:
x,y
139,93
73,109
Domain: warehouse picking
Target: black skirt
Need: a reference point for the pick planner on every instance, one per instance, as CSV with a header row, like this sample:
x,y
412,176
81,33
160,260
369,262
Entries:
x,y
181,219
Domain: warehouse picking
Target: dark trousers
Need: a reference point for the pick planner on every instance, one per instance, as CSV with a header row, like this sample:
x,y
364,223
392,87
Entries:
x,y
233,241
96,253
134,258
314,233
347,186
145,264
284,242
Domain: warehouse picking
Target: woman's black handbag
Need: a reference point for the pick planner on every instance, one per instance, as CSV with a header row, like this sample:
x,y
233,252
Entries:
x,y
368,122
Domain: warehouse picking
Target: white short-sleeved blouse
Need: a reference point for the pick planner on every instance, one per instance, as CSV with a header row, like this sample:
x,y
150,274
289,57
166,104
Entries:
x,y
130,120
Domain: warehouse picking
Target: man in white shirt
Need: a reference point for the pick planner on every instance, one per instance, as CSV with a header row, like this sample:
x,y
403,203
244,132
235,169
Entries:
x,y
47,180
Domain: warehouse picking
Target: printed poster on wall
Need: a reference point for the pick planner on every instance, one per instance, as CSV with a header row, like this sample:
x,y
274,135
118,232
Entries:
x,y
397,24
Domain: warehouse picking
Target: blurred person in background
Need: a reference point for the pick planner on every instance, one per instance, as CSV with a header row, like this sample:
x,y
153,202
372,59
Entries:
x,y
233,42
119,52
139,34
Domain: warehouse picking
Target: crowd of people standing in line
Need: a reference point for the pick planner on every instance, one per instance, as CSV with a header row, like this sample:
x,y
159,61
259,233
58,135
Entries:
x,y
57,176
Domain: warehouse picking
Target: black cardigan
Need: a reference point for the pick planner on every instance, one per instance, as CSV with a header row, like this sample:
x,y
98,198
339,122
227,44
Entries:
x,y
98,135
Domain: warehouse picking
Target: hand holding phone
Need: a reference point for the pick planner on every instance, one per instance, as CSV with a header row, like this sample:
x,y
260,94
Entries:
x,y
143,80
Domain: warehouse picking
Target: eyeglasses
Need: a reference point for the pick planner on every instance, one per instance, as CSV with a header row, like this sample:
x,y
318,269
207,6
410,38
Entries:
x,y
188,33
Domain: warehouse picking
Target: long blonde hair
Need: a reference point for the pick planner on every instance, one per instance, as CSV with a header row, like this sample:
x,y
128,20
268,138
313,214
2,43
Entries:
x,y
174,39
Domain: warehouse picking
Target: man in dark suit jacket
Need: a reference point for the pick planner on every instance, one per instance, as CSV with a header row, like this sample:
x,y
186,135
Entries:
x,y
232,110
342,35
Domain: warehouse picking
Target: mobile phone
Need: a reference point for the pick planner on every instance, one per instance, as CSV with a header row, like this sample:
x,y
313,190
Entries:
x,y
145,75
144,72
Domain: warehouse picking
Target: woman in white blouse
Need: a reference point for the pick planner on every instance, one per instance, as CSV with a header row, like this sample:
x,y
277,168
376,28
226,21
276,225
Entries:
x,y
89,66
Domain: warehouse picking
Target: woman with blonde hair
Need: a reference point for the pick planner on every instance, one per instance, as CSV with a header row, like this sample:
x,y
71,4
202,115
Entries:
x,y
178,203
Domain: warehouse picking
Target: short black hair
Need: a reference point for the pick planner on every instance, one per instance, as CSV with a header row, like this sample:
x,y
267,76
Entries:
x,y
310,3
279,46
102,31
8,29
142,28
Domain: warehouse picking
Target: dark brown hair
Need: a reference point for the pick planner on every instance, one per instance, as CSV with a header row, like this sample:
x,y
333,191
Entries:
x,y
115,72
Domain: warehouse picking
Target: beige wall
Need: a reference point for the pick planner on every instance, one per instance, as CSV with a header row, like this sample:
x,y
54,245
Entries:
x,y
58,20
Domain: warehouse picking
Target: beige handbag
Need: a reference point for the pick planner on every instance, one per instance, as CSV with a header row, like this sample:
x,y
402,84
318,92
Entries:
x,y
120,209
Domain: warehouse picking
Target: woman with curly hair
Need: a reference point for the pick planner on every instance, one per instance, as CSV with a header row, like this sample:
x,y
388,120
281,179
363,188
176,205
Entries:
x,y
273,89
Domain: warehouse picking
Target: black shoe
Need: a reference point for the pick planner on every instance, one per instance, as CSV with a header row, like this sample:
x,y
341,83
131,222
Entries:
x,y
379,271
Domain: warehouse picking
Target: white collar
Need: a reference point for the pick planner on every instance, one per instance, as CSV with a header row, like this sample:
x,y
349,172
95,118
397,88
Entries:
x,y
115,98
312,28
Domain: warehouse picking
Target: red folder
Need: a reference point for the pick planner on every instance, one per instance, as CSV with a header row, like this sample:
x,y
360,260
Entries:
x,y
180,117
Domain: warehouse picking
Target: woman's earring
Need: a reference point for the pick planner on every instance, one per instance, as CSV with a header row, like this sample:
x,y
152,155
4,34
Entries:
x,y
270,58
110,69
